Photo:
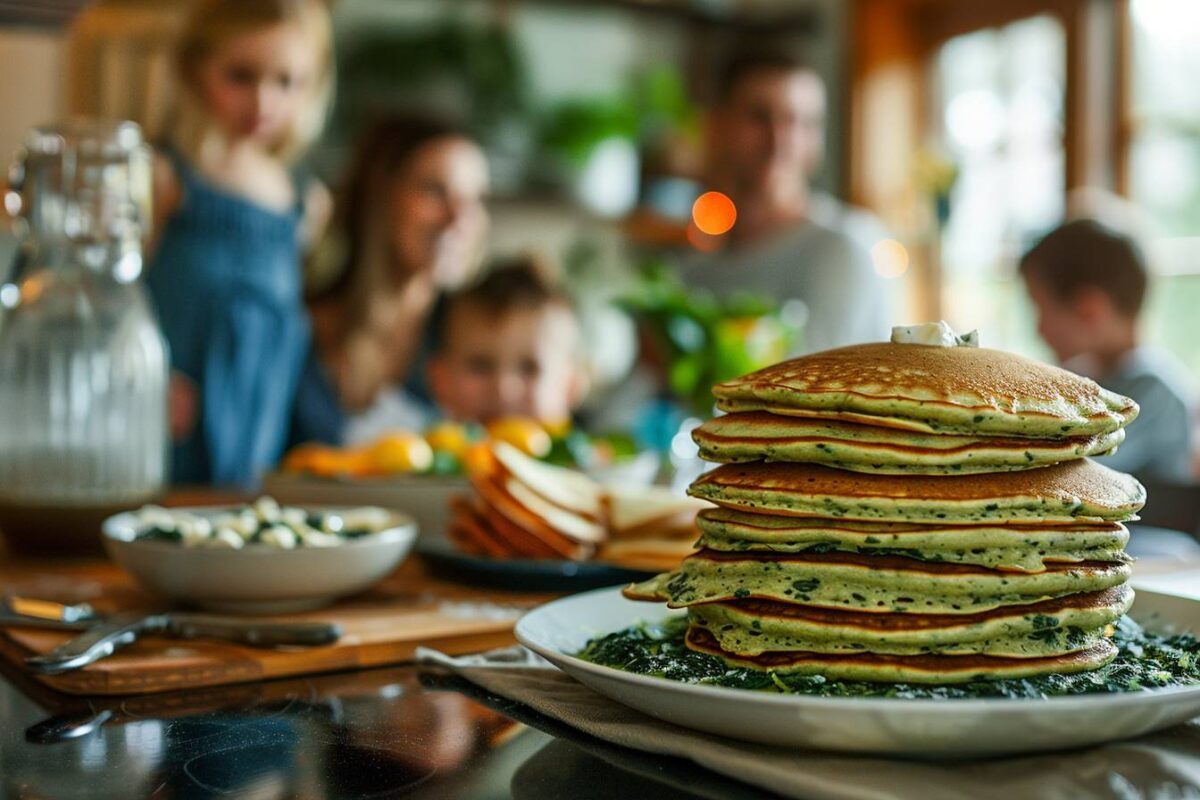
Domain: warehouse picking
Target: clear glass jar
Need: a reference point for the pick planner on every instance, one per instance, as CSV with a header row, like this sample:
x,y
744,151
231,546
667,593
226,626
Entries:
x,y
83,364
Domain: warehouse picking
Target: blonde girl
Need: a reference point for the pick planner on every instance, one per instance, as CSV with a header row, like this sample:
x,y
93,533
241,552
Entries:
x,y
254,83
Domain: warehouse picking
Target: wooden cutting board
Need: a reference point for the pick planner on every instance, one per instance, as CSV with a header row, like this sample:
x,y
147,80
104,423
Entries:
x,y
385,626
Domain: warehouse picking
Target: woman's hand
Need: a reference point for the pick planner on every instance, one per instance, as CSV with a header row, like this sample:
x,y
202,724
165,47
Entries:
x,y
318,209
360,371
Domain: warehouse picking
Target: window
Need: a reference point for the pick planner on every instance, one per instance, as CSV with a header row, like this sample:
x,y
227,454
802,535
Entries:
x,y
1164,151
1163,163
999,100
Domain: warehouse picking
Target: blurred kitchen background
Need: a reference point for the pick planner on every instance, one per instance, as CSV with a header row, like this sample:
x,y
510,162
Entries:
x,y
965,126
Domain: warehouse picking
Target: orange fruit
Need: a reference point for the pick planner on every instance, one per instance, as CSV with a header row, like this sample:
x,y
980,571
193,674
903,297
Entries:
x,y
399,451
523,433
302,457
328,463
359,464
322,461
477,459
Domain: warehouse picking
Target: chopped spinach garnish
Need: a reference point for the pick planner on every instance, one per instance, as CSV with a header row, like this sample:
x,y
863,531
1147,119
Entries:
x,y
355,533
1144,661
158,534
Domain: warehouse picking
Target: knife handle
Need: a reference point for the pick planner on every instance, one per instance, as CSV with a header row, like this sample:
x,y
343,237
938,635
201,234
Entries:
x,y
255,634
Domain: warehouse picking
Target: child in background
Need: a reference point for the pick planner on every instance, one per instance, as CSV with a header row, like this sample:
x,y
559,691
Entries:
x,y
232,216
508,346
1087,282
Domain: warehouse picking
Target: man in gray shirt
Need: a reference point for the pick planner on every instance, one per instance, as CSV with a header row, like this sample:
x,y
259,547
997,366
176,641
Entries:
x,y
789,243
1158,442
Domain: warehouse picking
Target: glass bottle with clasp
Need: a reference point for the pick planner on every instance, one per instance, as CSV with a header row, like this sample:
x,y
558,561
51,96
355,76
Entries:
x,y
83,364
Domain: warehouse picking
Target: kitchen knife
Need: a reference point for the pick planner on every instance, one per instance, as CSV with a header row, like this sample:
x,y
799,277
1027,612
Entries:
x,y
120,630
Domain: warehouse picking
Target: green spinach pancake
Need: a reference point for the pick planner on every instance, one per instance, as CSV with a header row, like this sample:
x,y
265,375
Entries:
x,y
761,436
1019,548
970,390
1049,627
1074,491
868,583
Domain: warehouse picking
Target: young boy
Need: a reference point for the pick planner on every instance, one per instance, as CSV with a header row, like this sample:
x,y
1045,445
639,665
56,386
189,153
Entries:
x,y
508,346
1087,283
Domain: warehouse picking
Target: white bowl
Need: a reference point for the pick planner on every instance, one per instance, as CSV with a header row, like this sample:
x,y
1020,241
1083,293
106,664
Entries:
x,y
258,579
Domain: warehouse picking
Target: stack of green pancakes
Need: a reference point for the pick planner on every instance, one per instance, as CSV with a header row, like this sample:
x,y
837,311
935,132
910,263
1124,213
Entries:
x,y
909,513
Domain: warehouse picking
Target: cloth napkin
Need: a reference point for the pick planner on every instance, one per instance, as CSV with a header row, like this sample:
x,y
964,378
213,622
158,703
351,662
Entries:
x,y
1162,765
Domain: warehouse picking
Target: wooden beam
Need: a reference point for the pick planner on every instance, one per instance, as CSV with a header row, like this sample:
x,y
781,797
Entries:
x,y
940,20
1122,112
40,13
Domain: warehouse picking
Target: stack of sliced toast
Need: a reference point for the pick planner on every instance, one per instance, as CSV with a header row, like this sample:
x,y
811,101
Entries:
x,y
524,508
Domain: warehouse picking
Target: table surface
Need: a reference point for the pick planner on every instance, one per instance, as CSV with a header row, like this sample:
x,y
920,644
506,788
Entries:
x,y
391,732
380,733
375,733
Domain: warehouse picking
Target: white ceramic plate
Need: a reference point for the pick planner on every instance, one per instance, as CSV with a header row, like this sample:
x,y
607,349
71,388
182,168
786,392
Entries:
x,y
258,579
923,728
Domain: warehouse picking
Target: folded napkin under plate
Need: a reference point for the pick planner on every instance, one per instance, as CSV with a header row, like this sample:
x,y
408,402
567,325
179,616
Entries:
x,y
1165,764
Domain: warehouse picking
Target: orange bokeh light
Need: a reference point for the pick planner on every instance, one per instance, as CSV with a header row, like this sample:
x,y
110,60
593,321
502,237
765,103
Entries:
x,y
714,213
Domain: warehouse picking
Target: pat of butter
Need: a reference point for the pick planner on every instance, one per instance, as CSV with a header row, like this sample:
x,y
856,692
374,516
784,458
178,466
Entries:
x,y
934,334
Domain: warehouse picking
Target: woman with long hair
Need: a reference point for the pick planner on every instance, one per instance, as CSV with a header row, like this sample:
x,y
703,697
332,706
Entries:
x,y
410,225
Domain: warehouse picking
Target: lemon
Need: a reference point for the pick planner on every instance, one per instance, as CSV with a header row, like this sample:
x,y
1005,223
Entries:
x,y
523,433
400,451
450,437
558,428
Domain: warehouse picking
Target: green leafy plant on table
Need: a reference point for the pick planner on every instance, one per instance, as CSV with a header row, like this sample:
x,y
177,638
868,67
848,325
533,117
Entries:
x,y
703,340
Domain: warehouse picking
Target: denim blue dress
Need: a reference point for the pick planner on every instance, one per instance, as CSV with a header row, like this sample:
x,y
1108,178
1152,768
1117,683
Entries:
x,y
226,281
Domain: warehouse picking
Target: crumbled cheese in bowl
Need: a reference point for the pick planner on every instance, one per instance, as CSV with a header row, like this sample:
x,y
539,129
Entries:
x,y
263,523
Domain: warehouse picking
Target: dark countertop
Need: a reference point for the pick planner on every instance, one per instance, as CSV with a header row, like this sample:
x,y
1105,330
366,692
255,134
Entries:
x,y
370,734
